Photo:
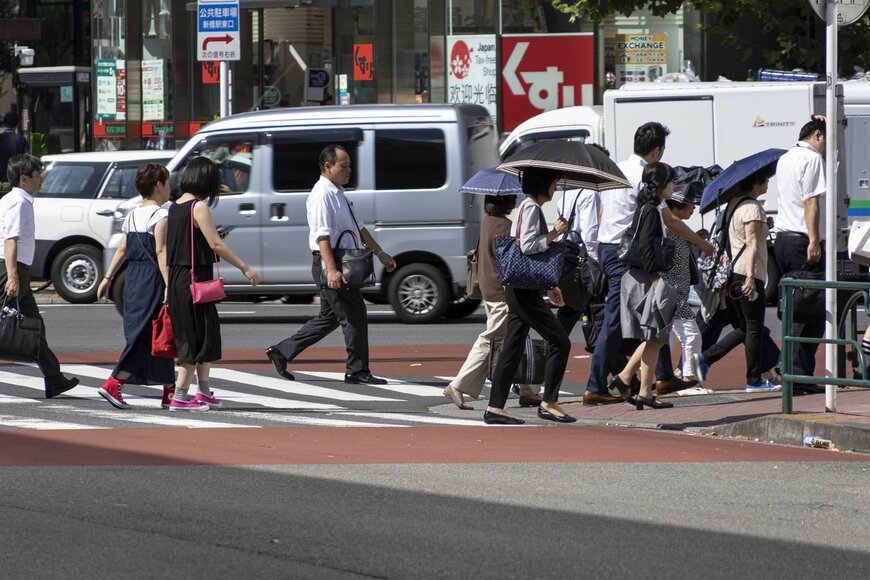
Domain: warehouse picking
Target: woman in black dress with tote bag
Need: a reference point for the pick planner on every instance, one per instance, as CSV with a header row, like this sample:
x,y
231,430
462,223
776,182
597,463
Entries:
x,y
196,326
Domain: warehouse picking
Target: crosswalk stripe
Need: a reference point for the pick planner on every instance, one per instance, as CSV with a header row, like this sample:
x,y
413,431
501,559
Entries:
x,y
41,424
167,420
223,394
488,384
292,387
403,387
10,399
414,418
318,421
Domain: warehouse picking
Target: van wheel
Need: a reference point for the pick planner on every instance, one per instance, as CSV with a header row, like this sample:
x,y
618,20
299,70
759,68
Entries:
x,y
419,293
76,273
116,291
462,308
771,289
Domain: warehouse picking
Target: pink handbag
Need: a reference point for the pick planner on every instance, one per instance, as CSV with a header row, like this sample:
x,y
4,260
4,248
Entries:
x,y
210,290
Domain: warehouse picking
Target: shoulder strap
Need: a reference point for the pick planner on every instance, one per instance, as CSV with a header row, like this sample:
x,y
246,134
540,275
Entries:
x,y
726,228
355,224
192,257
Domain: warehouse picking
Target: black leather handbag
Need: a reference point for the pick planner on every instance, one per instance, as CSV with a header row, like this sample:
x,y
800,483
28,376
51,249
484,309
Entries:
x,y
530,369
356,264
19,334
630,246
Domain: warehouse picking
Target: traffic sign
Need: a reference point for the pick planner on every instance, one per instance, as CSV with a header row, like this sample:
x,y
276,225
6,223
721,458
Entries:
x,y
217,30
848,11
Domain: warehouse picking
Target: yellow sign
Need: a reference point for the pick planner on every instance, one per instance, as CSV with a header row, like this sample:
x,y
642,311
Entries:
x,y
641,57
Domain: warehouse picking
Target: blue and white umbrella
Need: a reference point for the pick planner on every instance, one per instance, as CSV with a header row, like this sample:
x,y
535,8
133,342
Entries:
x,y
492,182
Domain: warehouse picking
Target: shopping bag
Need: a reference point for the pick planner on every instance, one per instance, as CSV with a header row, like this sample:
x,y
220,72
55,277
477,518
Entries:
x,y
162,340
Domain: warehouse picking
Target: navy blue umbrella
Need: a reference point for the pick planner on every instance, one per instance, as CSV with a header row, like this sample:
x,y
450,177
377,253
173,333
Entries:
x,y
492,182
726,183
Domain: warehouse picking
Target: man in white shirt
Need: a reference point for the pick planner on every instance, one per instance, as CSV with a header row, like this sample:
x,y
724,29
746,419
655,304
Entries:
x,y
617,212
329,214
800,180
17,226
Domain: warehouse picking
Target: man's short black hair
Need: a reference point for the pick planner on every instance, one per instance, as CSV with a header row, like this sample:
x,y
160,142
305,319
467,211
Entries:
x,y
810,128
648,137
330,155
10,119
21,164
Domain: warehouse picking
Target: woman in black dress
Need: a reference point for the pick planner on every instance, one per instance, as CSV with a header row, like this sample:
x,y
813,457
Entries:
x,y
144,249
196,326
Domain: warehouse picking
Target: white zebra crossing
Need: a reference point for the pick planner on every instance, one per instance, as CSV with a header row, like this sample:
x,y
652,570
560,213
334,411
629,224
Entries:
x,y
403,387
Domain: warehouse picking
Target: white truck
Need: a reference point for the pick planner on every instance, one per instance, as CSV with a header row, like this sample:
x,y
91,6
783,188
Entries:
x,y
718,123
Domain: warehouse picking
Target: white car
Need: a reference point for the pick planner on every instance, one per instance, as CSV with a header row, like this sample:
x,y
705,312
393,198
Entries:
x,y
75,213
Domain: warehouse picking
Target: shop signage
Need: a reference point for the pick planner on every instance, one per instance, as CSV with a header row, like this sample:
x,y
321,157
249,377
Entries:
x,y
641,57
66,94
343,95
111,90
318,85
217,30
363,62
472,71
271,96
152,90
541,73
211,72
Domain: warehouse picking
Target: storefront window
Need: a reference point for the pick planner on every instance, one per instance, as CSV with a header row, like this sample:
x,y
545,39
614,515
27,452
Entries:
x,y
110,71
158,129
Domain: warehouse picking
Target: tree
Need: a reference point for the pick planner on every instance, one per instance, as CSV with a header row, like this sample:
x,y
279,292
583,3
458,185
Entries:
x,y
797,31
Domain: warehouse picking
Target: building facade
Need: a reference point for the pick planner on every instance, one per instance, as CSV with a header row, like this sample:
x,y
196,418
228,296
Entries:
x,y
517,57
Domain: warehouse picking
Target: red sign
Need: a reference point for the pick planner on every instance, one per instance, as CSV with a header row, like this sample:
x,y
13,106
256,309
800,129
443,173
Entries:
x,y
211,72
363,59
541,73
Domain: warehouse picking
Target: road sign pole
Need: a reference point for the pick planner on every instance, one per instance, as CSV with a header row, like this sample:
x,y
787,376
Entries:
x,y
225,88
830,225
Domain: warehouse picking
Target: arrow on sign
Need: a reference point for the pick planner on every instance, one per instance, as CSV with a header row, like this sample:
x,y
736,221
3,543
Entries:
x,y
225,39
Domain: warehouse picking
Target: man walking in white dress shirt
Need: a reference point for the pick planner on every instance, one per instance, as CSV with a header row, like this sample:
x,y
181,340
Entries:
x,y
329,214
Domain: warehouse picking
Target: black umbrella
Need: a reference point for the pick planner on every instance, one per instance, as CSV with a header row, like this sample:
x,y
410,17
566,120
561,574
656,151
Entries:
x,y
689,182
583,166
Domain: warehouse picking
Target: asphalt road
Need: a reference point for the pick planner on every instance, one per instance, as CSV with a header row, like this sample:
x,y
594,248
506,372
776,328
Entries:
x,y
381,487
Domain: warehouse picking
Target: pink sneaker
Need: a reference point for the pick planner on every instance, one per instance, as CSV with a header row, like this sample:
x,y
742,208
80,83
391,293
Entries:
x,y
188,405
212,401
111,391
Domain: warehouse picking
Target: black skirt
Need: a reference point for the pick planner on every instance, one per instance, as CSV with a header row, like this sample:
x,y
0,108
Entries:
x,y
196,327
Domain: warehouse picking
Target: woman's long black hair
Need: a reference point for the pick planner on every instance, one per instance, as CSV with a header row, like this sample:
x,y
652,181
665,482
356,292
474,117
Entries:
x,y
656,176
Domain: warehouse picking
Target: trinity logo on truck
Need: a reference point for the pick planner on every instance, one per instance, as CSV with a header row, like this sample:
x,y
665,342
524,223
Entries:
x,y
761,123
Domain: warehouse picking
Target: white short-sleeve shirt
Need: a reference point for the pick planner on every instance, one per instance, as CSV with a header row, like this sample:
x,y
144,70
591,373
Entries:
x,y
618,205
585,223
800,175
144,219
329,214
17,221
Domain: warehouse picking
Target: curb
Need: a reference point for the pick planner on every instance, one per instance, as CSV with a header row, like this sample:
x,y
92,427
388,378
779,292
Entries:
x,y
790,430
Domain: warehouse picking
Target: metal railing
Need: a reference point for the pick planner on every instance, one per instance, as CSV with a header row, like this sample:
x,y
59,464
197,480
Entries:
x,y
848,310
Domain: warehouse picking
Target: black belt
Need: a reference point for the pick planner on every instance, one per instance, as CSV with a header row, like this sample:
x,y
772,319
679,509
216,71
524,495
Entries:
x,y
792,234
20,264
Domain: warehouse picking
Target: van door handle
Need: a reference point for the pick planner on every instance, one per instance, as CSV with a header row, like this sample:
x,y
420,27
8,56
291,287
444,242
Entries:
x,y
247,209
106,212
276,213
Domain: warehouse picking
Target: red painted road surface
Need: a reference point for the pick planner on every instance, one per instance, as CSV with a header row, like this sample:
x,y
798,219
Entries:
x,y
315,445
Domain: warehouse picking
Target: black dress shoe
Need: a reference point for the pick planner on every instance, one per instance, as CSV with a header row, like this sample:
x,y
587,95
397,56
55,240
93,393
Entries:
x,y
617,388
55,388
530,401
495,419
280,363
545,414
363,378
652,403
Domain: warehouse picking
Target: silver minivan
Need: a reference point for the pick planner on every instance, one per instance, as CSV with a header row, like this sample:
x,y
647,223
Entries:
x,y
408,164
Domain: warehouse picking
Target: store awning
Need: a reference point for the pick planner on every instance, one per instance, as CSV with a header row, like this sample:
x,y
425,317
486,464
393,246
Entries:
x,y
54,76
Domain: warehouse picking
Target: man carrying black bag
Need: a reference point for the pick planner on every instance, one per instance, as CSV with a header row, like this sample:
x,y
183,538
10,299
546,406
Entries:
x,y
17,226
329,216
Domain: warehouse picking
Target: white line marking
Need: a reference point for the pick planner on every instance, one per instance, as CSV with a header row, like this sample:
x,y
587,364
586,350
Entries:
x,y
304,420
41,424
4,399
415,418
292,387
176,419
393,385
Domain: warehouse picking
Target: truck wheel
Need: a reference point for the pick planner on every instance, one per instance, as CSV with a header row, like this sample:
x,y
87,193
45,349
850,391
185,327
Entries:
x,y
419,293
771,289
462,307
116,291
76,273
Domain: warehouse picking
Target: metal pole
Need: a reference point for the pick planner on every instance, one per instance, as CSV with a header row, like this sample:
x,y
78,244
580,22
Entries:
x,y
831,204
786,294
225,82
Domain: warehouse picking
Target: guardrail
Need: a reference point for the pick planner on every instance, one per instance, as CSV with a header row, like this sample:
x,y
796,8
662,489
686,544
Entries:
x,y
849,309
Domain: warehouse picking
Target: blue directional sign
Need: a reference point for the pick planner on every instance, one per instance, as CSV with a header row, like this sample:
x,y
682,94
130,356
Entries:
x,y
217,30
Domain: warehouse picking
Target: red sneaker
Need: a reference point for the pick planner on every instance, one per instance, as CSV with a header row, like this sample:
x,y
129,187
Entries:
x,y
168,393
111,391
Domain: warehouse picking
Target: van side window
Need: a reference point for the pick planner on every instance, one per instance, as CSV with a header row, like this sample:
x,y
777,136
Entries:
x,y
410,159
122,183
234,157
73,180
296,162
